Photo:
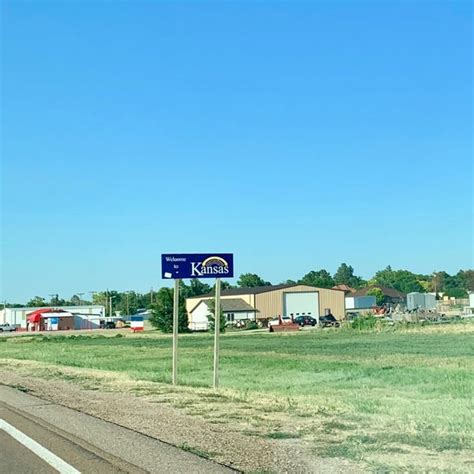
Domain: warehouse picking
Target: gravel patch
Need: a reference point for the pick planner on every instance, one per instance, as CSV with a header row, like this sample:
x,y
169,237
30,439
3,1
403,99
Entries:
x,y
151,415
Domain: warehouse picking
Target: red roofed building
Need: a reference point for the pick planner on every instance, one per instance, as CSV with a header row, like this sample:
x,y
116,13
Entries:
x,y
50,319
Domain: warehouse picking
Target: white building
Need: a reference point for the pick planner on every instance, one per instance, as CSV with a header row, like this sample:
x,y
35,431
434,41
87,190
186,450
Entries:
x,y
85,317
471,300
234,309
417,300
360,302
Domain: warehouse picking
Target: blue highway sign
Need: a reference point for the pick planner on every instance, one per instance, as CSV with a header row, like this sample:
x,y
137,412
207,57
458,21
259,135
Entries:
x,y
197,265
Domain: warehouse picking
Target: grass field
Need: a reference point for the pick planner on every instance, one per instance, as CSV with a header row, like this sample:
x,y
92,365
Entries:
x,y
394,399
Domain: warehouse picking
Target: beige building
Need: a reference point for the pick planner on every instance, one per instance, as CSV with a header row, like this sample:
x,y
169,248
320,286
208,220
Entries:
x,y
285,300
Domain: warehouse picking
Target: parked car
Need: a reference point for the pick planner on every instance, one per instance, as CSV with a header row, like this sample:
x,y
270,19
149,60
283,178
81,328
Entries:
x,y
305,321
103,324
276,321
7,328
329,321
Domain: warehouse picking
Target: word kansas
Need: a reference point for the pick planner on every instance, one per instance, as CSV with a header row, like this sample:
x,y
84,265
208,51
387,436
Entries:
x,y
211,266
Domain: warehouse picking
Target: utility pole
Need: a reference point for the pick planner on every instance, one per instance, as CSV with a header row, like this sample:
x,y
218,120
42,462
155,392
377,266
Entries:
x,y
54,301
92,293
110,303
106,301
151,295
128,307
80,298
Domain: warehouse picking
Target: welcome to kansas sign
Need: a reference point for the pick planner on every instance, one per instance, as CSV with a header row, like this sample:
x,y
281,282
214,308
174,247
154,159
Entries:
x,y
197,265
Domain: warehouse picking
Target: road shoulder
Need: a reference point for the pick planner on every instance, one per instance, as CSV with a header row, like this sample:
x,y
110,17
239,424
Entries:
x,y
92,444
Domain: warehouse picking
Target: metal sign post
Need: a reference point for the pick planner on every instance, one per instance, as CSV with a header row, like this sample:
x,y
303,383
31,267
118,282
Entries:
x,y
175,331
217,330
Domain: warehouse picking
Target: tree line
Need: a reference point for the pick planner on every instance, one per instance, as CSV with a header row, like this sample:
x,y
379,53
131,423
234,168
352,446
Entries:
x,y
457,285
129,302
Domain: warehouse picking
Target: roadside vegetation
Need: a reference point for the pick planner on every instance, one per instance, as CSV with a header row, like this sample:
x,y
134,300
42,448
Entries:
x,y
389,398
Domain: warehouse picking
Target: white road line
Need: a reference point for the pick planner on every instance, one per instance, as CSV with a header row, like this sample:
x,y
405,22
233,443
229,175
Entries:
x,y
46,455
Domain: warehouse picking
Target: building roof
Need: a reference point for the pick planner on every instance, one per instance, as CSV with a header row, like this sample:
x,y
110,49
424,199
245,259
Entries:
x,y
343,288
34,308
255,290
390,292
236,304
35,316
231,304
46,310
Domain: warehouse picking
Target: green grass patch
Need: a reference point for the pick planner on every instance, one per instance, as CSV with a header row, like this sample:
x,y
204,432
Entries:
x,y
357,395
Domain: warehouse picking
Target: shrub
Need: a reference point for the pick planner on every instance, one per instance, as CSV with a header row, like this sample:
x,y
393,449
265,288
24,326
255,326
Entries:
x,y
251,325
364,321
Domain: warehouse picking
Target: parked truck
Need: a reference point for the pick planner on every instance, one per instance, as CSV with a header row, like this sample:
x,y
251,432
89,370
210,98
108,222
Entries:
x,y
7,328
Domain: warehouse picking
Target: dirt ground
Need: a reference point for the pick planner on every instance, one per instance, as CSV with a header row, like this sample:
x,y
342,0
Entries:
x,y
154,409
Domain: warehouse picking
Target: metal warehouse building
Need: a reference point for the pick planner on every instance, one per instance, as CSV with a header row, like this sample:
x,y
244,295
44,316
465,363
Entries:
x,y
271,301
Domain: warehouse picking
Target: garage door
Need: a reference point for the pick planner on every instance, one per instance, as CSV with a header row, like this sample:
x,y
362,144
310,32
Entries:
x,y
301,303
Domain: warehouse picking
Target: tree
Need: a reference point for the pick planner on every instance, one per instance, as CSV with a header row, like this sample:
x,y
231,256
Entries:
x,y
144,299
13,305
162,311
320,278
463,279
250,280
466,278
444,282
75,300
379,296
37,301
128,302
427,286
57,301
456,293
195,288
402,280
211,304
437,282
345,276
225,285
100,298
105,297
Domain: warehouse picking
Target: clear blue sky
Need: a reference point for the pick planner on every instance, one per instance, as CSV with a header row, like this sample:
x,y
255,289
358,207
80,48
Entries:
x,y
296,135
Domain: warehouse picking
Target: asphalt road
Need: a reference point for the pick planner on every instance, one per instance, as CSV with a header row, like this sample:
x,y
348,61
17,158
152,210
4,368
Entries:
x,y
30,428
15,458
